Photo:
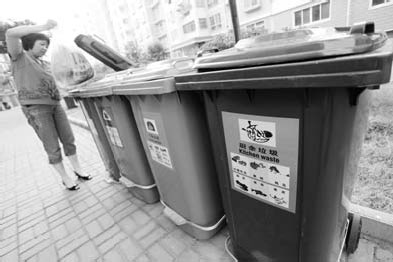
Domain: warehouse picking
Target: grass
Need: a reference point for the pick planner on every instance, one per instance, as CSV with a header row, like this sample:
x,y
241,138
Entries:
x,y
374,185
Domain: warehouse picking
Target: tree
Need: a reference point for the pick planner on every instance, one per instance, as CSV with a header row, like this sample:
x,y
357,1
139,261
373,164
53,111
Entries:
x,y
135,54
156,52
227,40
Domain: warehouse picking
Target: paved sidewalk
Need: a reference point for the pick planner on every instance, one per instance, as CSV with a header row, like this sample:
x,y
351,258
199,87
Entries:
x,y
40,221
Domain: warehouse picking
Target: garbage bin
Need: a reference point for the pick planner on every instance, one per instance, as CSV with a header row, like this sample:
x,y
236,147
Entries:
x,y
121,130
85,97
175,137
286,113
116,120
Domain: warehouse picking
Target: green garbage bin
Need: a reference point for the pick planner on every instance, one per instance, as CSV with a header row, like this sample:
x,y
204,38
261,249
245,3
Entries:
x,y
121,130
119,126
175,137
286,115
98,133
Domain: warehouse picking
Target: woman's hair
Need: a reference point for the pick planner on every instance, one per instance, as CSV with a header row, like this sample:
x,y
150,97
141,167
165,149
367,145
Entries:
x,y
29,40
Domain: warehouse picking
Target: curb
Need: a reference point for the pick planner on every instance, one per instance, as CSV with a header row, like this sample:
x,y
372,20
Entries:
x,y
79,123
375,223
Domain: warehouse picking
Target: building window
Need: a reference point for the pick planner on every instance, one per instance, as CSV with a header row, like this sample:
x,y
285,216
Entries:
x,y
316,12
260,24
312,14
202,23
251,4
200,3
380,2
306,16
211,3
255,26
215,21
189,27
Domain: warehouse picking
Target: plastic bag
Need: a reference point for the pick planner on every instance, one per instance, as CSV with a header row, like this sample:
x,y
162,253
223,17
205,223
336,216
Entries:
x,y
70,67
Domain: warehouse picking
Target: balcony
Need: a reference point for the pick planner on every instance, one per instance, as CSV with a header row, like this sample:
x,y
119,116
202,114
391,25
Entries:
x,y
184,8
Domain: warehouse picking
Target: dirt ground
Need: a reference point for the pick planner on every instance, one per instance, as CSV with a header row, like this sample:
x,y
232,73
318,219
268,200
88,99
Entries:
x,y
374,185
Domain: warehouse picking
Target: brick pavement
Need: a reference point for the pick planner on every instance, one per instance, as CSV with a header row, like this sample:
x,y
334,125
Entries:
x,y
40,221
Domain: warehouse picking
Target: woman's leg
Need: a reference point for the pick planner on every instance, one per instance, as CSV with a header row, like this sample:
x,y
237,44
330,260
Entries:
x,y
67,139
40,117
67,180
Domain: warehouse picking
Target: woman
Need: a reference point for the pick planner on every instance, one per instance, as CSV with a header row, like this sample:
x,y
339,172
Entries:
x,y
40,98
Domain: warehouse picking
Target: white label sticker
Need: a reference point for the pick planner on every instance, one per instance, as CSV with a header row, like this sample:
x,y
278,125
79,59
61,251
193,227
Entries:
x,y
150,126
262,155
159,154
114,136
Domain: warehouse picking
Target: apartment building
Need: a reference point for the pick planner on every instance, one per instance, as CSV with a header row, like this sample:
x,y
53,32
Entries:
x,y
190,23
119,16
141,21
321,13
182,26
90,17
157,16
193,22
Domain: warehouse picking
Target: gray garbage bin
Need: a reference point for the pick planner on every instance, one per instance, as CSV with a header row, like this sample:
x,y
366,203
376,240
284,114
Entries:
x,y
98,133
287,113
117,122
175,137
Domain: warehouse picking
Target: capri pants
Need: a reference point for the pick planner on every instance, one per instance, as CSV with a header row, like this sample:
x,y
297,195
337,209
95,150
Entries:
x,y
51,124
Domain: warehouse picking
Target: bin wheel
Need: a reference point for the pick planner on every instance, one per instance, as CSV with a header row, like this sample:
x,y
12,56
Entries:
x,y
354,230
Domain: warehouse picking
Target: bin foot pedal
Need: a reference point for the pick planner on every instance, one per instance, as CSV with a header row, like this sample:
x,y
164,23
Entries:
x,y
128,183
179,220
353,237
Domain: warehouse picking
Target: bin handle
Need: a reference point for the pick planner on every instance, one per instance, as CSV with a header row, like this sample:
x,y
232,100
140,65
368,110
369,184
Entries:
x,y
179,220
363,28
128,183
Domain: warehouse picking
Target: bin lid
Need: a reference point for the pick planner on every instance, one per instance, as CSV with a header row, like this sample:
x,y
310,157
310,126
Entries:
x,y
97,88
151,87
103,52
366,64
295,45
155,78
101,87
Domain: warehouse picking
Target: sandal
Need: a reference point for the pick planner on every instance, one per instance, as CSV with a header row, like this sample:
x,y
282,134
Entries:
x,y
73,188
88,177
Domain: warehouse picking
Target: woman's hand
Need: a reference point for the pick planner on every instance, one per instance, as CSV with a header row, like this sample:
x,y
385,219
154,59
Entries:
x,y
50,24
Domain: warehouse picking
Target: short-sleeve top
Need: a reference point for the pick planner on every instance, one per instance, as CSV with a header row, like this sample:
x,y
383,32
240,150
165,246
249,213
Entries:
x,y
34,81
